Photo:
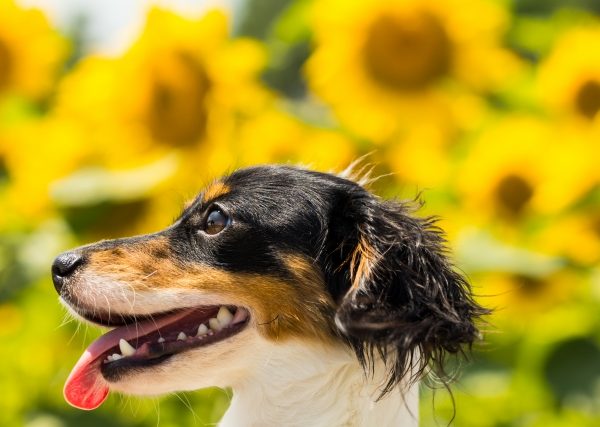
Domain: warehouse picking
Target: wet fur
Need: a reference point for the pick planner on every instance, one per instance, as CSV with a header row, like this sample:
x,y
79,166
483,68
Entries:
x,y
314,256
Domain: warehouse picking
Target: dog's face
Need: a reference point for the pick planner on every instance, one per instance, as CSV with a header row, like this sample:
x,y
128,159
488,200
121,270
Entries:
x,y
263,256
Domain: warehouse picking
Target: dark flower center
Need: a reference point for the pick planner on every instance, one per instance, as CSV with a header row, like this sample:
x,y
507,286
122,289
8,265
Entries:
x,y
5,65
407,51
177,113
587,99
528,285
596,225
512,194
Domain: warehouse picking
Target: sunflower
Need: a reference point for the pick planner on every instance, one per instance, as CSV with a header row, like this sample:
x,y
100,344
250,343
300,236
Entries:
x,y
179,92
519,294
87,97
382,64
276,136
33,162
569,78
575,236
60,172
189,77
181,83
522,166
422,157
31,52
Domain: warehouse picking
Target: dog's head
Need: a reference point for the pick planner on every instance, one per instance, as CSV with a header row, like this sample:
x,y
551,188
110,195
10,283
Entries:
x,y
265,255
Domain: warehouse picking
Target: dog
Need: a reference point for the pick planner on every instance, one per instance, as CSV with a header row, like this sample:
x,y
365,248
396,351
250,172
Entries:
x,y
317,302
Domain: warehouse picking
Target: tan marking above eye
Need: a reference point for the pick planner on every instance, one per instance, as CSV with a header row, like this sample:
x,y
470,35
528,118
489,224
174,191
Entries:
x,y
215,190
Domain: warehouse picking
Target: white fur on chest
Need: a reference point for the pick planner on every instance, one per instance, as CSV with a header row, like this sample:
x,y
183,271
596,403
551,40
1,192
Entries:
x,y
310,385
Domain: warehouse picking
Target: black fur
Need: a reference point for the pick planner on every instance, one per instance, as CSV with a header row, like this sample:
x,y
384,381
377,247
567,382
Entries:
x,y
410,306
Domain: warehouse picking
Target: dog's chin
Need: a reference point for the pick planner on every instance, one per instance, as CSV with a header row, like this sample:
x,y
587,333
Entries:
x,y
222,364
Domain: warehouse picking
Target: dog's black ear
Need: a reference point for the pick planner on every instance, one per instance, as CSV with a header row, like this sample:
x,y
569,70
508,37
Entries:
x,y
398,294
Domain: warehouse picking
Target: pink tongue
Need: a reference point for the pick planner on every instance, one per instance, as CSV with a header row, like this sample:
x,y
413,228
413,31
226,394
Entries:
x,y
86,388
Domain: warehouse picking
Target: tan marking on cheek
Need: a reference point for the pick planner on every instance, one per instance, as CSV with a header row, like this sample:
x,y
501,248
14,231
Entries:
x,y
215,190
300,307
280,308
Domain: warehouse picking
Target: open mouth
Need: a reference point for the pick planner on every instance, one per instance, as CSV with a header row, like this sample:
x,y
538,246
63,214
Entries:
x,y
140,345
201,327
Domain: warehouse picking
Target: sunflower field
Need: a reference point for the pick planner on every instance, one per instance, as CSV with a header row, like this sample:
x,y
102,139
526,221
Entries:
x,y
487,109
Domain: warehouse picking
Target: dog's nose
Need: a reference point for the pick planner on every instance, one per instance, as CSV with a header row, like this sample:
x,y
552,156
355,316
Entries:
x,y
64,266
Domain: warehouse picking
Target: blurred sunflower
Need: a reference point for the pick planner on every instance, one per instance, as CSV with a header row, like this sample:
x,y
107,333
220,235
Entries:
x,y
31,52
188,79
523,166
527,295
569,79
276,136
422,157
170,103
424,154
181,83
27,151
576,237
383,63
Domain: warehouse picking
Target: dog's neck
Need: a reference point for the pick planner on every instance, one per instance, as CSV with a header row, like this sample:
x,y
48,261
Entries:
x,y
302,385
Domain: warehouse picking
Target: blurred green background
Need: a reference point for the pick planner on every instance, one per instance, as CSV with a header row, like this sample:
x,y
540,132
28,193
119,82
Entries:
x,y
489,109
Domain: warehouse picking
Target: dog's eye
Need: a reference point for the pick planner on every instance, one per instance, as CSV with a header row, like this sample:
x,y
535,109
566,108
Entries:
x,y
216,221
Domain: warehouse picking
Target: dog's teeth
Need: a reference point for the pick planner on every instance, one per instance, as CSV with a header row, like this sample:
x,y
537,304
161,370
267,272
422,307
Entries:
x,y
126,348
181,337
109,358
214,324
224,317
116,357
240,315
161,340
202,330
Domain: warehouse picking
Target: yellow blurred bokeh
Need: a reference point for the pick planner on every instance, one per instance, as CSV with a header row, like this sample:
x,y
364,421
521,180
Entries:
x,y
488,110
